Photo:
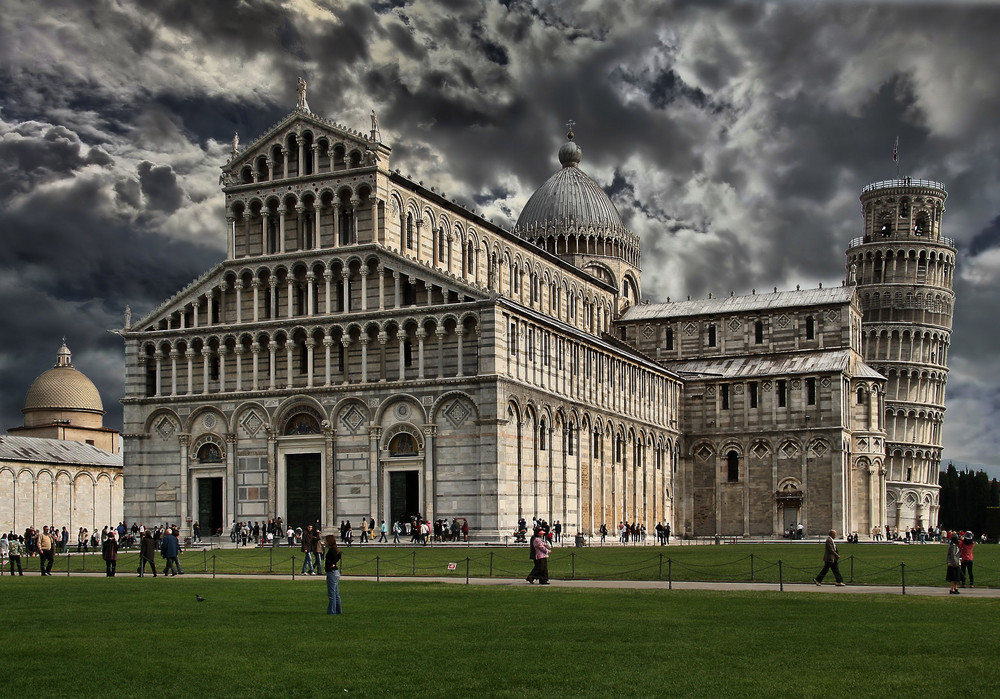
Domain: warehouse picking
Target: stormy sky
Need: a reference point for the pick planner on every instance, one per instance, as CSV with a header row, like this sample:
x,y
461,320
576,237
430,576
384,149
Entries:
x,y
734,138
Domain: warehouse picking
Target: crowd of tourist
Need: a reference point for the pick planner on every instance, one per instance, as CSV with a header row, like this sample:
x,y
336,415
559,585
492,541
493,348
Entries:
x,y
45,543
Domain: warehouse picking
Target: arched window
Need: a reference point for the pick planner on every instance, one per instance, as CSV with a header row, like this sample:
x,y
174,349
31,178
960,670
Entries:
x,y
542,433
670,338
409,231
209,454
758,332
711,335
861,396
471,258
303,357
920,225
884,226
810,328
733,467
441,238
403,444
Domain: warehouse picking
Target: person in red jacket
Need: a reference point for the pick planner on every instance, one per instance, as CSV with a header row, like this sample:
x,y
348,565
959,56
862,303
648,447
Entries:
x,y
965,552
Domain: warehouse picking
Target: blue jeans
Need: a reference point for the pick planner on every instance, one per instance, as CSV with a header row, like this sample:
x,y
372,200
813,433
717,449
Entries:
x,y
307,563
333,592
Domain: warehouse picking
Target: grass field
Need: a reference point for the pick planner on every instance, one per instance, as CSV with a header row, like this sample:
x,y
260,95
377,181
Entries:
x,y
871,564
88,636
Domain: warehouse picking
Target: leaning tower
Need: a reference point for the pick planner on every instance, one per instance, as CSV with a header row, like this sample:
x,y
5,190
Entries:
x,y
903,268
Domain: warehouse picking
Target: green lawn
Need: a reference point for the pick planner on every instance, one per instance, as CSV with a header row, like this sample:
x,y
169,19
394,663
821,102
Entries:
x,y
87,636
871,564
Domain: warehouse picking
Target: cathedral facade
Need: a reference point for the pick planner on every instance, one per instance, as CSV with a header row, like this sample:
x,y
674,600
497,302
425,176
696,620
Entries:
x,y
370,348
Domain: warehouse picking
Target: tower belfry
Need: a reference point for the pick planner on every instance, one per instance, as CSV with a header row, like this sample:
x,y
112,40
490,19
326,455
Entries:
x,y
904,268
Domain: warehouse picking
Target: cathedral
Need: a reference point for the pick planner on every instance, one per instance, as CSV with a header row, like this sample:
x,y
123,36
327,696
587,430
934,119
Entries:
x,y
371,348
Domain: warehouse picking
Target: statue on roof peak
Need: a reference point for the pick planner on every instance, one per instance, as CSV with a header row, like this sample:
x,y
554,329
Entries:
x,y
302,104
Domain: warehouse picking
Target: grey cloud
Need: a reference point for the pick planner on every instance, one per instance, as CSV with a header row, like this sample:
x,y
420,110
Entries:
x,y
159,185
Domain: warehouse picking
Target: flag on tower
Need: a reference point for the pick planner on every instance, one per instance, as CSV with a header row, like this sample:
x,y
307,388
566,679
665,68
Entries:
x,y
895,151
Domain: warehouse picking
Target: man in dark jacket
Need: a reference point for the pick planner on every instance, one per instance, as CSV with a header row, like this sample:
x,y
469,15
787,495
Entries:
x,y
147,552
170,549
109,552
307,549
830,560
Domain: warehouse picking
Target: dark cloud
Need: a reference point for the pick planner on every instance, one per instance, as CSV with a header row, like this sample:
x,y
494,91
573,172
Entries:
x,y
32,153
159,185
985,239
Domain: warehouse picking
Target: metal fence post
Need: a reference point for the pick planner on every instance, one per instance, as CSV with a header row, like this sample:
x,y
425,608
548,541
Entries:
x,y
213,566
376,568
491,564
466,570
751,568
781,577
67,565
670,574
902,573
659,572
572,561
293,566
204,555
852,567
414,570
270,565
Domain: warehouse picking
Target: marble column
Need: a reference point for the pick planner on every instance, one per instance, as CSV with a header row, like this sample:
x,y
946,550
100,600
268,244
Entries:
x,y
310,344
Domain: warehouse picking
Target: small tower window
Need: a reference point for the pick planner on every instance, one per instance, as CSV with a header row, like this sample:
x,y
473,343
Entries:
x,y
670,338
711,335
758,332
810,328
782,391
811,391
724,395
752,392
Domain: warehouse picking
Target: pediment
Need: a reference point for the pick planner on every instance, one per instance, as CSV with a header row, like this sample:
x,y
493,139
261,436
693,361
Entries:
x,y
301,122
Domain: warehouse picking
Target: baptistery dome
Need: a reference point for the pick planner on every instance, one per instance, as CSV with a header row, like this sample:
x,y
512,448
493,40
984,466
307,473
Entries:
x,y
61,389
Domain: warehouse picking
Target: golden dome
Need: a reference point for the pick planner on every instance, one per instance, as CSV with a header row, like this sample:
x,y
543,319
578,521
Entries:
x,y
63,388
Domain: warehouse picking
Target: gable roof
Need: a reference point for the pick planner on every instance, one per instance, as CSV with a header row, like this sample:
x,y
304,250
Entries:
x,y
783,364
55,451
741,304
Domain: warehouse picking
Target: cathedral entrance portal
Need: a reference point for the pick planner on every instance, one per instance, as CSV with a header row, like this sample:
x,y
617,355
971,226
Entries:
x,y
303,489
209,512
404,495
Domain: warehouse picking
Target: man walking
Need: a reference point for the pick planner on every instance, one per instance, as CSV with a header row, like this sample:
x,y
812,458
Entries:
x,y
830,561
383,533
147,553
307,548
46,551
170,549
